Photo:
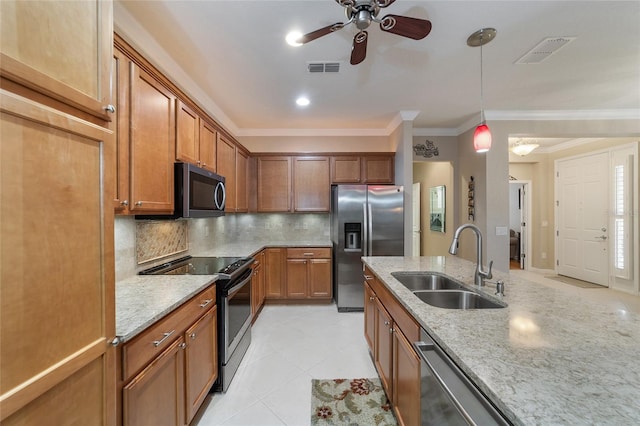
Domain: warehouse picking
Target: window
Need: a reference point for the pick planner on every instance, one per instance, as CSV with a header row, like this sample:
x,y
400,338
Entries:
x,y
622,215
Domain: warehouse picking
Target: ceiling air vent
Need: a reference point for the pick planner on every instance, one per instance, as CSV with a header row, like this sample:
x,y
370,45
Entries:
x,y
316,67
544,49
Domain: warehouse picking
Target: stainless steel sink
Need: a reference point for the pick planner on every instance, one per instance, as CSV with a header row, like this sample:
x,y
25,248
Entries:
x,y
457,299
426,281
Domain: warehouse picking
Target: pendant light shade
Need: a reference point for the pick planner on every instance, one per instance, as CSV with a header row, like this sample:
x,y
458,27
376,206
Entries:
x,y
482,135
482,138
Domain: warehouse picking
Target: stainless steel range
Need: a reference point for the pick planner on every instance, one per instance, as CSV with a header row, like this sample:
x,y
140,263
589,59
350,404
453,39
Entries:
x,y
233,292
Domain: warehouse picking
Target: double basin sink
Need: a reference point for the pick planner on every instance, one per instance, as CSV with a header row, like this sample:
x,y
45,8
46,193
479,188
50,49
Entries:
x,y
444,292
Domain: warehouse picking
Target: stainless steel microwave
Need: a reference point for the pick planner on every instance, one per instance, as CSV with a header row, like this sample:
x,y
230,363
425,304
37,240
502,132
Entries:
x,y
197,193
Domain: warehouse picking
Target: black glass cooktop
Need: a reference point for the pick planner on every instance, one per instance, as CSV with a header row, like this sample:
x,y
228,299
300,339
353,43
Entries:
x,y
223,266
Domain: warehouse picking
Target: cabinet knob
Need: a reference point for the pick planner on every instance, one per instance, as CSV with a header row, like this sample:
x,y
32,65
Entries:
x,y
193,336
386,323
110,108
183,345
124,203
372,298
115,341
198,162
391,330
139,203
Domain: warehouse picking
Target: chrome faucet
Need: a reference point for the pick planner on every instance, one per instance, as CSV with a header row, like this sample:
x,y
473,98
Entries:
x,y
480,274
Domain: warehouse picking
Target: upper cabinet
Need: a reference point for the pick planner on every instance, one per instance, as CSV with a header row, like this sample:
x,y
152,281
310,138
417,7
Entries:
x,y
60,49
151,145
311,185
195,138
274,184
365,169
377,169
226,165
242,176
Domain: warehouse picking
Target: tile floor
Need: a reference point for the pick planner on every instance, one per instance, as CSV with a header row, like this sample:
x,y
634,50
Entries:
x,y
290,345
293,344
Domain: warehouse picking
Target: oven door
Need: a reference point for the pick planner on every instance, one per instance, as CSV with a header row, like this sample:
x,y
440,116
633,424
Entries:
x,y
236,313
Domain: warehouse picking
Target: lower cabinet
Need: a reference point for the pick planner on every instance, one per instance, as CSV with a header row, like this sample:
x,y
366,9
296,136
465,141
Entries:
x,y
169,368
308,273
389,331
258,285
274,262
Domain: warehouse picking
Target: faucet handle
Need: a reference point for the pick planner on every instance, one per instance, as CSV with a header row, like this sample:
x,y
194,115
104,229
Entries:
x,y
489,274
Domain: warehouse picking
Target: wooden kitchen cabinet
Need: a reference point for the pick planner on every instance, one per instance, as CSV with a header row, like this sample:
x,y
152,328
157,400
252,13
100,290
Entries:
x,y
346,169
377,169
195,138
258,290
152,144
274,184
242,175
389,330
226,166
275,270
168,369
120,87
57,158
201,357
311,184
156,395
309,273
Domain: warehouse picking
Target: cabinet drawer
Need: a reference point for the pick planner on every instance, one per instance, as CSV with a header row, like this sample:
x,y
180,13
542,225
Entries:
x,y
151,342
309,252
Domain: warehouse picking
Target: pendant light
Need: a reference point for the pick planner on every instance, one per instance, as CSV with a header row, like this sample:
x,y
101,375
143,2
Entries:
x,y
482,135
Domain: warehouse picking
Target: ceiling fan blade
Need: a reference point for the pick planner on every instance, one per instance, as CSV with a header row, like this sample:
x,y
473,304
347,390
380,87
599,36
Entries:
x,y
320,32
359,49
405,26
385,3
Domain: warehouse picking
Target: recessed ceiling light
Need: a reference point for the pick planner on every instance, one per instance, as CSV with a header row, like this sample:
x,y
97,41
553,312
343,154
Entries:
x,y
292,38
303,101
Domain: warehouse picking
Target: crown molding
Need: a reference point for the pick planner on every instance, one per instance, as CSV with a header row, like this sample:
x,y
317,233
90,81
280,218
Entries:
x,y
433,131
310,132
558,115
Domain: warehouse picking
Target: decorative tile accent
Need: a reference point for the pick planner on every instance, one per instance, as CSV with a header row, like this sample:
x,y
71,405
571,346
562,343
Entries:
x,y
155,240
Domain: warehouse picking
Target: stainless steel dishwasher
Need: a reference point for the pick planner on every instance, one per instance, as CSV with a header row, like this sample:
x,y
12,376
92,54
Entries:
x,y
447,396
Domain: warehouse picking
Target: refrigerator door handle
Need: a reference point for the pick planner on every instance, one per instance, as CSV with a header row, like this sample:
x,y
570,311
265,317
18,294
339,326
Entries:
x,y
366,233
370,231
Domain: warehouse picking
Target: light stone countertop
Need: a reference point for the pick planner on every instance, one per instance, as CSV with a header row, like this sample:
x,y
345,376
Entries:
x,y
547,359
142,300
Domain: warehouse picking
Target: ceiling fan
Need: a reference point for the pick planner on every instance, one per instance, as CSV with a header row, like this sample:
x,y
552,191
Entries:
x,y
363,13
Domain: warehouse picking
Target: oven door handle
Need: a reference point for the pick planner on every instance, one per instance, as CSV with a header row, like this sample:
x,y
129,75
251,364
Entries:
x,y
245,278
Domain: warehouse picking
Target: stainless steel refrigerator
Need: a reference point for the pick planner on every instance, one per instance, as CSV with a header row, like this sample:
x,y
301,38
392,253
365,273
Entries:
x,y
366,220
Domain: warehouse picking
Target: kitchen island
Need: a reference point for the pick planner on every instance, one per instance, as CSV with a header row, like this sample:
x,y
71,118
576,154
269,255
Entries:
x,y
547,358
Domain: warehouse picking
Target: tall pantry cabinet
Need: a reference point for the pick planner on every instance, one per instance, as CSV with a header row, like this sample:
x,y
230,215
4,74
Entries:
x,y
57,156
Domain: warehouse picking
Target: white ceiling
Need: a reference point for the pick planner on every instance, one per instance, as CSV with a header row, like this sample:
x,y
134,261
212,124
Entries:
x,y
235,52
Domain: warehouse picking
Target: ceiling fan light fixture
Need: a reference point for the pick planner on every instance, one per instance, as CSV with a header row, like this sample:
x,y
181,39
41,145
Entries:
x,y
293,38
303,101
482,135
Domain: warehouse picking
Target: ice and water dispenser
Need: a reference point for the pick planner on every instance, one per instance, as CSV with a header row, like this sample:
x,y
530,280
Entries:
x,y
352,236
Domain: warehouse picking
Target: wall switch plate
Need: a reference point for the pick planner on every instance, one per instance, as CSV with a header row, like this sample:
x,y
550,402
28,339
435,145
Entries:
x,y
501,230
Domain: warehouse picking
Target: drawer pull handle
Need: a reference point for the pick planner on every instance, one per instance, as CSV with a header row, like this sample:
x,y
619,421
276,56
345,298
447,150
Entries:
x,y
157,343
368,277
307,254
205,303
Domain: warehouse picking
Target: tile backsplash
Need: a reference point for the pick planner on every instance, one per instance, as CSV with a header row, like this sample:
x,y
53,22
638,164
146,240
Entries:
x,y
155,242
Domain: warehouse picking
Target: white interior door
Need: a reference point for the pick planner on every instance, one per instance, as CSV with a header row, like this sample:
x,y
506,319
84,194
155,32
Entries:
x,y
583,199
416,220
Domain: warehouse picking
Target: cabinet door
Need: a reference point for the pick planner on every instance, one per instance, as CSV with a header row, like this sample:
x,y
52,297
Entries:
x,y
201,361
406,381
61,49
56,268
383,357
311,185
345,169
242,170
120,127
274,184
369,317
297,278
320,278
377,169
187,134
274,273
152,144
226,166
208,136
156,395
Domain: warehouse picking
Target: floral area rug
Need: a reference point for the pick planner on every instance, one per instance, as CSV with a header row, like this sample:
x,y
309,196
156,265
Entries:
x,y
350,402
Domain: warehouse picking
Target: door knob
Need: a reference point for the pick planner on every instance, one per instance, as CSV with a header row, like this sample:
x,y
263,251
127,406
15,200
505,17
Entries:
x,y
602,237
